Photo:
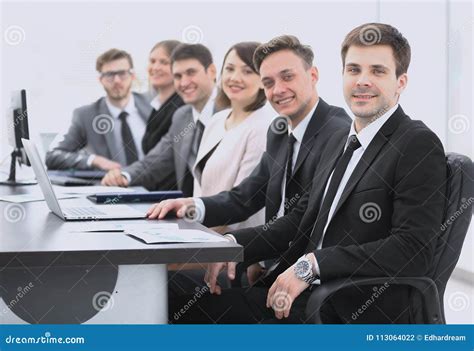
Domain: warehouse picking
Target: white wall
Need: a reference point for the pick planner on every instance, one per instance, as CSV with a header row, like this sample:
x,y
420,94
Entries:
x,y
53,55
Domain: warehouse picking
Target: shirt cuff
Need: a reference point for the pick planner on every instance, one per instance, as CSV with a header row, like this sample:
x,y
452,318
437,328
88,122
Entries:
x,y
200,209
127,176
231,238
89,160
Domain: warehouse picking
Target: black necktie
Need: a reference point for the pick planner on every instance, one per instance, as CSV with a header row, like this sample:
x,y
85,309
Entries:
x,y
289,169
336,178
197,139
127,138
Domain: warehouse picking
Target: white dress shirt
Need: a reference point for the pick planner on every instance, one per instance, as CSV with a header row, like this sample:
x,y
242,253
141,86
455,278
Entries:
x,y
365,137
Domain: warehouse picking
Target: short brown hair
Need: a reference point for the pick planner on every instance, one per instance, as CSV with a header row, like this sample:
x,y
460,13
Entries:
x,y
112,55
192,51
283,42
380,34
245,51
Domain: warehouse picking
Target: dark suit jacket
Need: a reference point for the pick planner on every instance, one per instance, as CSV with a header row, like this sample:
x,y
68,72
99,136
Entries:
x,y
160,121
263,186
385,224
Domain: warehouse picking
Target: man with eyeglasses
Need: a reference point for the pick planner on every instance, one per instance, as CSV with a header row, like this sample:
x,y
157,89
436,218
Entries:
x,y
106,134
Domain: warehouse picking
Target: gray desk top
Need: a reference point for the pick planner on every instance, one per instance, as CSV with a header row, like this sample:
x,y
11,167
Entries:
x,y
35,237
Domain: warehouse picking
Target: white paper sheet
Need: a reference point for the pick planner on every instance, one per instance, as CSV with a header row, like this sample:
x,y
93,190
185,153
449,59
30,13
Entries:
x,y
123,227
90,190
161,236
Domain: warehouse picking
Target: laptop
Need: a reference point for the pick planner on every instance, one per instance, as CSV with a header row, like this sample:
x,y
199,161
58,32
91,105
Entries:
x,y
76,213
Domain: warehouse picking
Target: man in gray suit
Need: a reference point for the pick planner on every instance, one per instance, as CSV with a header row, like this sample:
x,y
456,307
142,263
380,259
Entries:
x,y
106,134
168,165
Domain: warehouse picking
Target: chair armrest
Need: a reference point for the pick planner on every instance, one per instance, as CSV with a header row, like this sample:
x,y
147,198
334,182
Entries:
x,y
426,286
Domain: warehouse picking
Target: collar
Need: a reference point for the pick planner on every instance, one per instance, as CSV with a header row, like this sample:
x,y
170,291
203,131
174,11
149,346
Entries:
x,y
115,111
366,135
300,129
207,111
155,103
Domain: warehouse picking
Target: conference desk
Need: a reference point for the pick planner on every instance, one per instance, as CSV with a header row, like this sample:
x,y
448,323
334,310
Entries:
x,y
51,274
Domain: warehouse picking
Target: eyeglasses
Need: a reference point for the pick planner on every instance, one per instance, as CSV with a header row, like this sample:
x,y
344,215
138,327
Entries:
x,y
122,74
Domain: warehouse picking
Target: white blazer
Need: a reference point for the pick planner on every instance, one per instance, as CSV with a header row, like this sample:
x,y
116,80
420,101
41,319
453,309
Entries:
x,y
232,156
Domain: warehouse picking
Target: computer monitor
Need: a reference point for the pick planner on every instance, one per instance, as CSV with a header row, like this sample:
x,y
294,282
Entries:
x,y
17,125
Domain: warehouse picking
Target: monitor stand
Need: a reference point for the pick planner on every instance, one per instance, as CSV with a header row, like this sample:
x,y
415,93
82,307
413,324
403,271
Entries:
x,y
11,178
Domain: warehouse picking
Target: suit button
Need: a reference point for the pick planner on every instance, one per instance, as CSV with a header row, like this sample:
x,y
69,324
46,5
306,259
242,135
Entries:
x,y
290,243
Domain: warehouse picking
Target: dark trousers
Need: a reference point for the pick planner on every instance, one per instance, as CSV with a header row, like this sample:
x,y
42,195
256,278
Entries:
x,y
235,305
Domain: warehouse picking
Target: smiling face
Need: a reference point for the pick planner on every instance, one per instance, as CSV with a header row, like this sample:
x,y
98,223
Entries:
x,y
239,82
193,82
370,84
289,84
159,69
119,86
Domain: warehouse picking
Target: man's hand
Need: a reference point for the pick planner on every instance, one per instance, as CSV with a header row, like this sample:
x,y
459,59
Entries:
x,y
213,270
161,209
114,178
286,288
254,272
104,163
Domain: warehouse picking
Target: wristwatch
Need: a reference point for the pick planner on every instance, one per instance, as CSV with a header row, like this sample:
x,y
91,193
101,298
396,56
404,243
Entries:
x,y
304,270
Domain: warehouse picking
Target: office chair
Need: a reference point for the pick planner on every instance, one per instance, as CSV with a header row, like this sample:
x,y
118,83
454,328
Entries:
x,y
429,289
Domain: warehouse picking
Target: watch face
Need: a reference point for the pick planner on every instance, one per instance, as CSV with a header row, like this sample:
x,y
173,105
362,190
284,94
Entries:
x,y
302,268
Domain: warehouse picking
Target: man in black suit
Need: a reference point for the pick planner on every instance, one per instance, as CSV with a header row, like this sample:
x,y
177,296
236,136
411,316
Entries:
x,y
374,209
294,142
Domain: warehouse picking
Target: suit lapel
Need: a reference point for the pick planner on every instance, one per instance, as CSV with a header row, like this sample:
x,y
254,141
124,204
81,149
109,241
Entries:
x,y
210,139
370,154
318,120
278,171
143,107
188,141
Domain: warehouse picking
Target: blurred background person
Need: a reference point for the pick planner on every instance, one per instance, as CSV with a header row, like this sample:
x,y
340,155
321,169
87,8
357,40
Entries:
x,y
165,101
106,134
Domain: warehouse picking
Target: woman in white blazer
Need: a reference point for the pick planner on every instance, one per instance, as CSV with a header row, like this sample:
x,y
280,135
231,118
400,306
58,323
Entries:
x,y
235,139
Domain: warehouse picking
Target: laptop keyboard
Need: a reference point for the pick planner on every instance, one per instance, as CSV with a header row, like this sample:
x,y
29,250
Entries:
x,y
83,211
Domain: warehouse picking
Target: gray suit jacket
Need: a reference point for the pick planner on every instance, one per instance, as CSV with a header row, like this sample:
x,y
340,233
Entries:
x,y
168,165
91,133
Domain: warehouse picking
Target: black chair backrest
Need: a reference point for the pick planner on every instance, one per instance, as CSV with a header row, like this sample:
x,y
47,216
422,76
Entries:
x,y
457,216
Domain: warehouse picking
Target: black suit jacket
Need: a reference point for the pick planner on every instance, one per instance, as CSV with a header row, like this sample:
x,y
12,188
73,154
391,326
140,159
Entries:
x,y
160,121
385,224
263,186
